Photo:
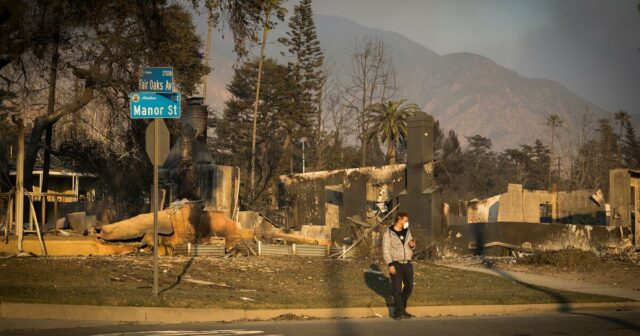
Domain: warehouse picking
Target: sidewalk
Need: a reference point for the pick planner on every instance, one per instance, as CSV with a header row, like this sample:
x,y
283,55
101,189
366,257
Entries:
x,y
554,283
18,315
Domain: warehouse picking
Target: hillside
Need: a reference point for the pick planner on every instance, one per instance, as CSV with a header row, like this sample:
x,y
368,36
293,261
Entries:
x,y
465,92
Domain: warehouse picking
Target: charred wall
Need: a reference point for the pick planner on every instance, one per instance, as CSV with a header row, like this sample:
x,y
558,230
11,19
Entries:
x,y
470,238
307,196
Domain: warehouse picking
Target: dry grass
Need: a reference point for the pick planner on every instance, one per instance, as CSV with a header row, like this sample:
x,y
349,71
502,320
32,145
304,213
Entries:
x,y
252,283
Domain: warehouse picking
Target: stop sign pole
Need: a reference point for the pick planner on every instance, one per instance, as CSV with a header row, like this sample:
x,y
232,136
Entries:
x,y
155,206
157,145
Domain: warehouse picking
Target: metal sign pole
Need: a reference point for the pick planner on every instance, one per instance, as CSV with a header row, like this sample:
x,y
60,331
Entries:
x,y
155,206
156,100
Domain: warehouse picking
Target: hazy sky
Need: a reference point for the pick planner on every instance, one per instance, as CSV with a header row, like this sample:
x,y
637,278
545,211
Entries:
x,y
590,46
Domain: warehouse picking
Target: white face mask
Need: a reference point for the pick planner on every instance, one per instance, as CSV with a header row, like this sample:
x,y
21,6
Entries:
x,y
406,225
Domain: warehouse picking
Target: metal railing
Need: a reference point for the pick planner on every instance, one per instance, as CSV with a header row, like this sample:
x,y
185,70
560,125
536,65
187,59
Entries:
x,y
301,250
200,250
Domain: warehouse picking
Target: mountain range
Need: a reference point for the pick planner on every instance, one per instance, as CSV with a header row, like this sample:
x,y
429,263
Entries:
x,y
466,92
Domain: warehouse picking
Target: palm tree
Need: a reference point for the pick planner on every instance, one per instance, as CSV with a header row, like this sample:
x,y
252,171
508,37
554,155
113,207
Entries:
x,y
389,123
623,119
553,121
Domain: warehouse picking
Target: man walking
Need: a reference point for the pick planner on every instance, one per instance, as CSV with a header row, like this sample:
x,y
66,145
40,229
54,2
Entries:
x,y
397,251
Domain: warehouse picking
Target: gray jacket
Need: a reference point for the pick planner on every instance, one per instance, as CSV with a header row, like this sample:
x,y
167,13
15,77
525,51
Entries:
x,y
393,249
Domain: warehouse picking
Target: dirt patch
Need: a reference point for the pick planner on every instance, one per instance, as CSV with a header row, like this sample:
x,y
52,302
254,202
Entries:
x,y
572,259
252,283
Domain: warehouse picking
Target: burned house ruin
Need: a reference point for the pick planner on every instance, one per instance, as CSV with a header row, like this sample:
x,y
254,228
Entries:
x,y
200,205
542,220
320,204
190,171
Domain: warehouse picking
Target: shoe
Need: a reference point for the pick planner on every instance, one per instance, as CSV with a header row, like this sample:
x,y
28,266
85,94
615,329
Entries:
x,y
407,315
397,317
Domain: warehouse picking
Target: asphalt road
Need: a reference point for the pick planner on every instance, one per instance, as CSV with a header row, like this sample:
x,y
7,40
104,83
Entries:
x,y
580,323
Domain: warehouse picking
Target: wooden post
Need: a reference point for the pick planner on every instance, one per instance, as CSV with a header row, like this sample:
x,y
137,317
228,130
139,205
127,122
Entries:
x,y
7,227
12,201
43,210
20,184
33,209
31,214
55,213
164,195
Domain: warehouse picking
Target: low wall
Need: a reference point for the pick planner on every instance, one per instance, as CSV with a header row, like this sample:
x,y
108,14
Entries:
x,y
470,238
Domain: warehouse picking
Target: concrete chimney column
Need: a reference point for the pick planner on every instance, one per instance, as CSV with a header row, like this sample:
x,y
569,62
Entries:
x,y
421,198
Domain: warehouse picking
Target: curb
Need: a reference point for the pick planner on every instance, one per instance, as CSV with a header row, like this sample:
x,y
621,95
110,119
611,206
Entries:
x,y
187,315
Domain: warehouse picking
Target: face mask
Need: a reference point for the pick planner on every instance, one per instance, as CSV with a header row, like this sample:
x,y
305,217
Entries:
x,y
406,225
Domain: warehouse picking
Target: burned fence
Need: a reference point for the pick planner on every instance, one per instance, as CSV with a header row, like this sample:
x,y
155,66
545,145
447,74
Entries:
x,y
302,250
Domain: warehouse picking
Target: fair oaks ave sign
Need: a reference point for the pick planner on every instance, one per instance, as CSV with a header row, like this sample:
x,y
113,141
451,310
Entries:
x,y
156,79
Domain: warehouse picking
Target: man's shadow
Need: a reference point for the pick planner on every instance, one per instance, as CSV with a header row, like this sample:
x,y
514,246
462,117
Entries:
x,y
378,282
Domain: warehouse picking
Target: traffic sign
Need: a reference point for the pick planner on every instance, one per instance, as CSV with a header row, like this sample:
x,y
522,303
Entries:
x,y
147,105
163,141
156,79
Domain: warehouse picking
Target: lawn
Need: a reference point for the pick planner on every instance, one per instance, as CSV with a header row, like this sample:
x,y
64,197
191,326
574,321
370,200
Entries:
x,y
253,283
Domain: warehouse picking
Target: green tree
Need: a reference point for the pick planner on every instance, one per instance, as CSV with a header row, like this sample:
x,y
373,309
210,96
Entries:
x,y
480,168
631,147
388,122
529,165
306,67
280,126
242,19
622,117
448,158
102,46
604,155
554,122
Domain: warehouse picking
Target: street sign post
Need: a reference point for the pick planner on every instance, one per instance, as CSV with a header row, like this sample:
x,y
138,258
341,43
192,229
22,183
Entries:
x,y
154,199
157,146
156,79
155,101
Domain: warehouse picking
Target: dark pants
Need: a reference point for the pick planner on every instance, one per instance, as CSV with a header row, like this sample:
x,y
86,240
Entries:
x,y
403,276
